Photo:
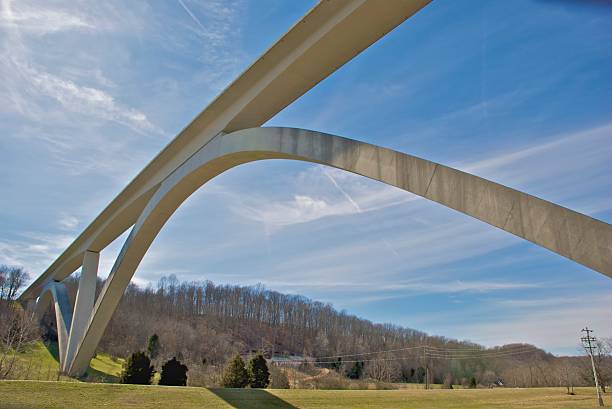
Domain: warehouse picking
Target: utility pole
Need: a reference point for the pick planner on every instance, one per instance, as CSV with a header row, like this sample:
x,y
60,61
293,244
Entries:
x,y
426,368
587,343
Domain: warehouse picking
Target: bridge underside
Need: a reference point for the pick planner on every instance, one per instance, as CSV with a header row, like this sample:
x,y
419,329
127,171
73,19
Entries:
x,y
573,235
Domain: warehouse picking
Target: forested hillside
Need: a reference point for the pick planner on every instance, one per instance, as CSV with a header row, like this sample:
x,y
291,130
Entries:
x,y
204,324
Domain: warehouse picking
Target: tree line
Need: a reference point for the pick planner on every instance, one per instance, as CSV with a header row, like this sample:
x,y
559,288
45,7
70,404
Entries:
x,y
204,325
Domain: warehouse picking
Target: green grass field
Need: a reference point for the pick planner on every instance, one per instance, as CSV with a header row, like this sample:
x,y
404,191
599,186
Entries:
x,y
40,362
69,395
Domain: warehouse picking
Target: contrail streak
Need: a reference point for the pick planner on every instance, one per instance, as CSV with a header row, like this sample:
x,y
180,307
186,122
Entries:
x,y
346,195
356,206
193,17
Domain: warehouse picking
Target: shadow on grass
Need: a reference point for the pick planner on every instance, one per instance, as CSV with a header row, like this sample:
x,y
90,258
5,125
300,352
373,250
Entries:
x,y
251,399
53,349
92,375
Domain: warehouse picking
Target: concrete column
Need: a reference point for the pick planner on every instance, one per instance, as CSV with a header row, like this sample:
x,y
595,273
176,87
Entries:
x,y
83,305
63,316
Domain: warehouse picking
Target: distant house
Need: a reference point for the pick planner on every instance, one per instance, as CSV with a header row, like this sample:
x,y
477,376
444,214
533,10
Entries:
x,y
291,360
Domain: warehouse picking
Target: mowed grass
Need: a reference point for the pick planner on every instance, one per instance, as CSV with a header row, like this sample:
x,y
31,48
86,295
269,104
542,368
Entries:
x,y
40,362
67,395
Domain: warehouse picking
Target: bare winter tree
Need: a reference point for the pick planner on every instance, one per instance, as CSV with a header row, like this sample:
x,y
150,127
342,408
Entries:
x,y
204,324
603,362
17,325
382,369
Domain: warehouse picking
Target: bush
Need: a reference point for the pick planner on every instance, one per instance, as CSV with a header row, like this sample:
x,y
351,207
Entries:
x,y
356,371
259,374
153,346
236,375
473,383
448,381
278,378
384,386
331,380
173,373
137,369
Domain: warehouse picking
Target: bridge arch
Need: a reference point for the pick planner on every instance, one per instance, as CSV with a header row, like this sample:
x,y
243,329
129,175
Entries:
x,y
573,235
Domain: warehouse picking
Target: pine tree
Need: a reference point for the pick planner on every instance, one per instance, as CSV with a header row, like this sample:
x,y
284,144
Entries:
x,y
472,382
137,369
173,373
258,371
153,346
236,375
356,371
336,365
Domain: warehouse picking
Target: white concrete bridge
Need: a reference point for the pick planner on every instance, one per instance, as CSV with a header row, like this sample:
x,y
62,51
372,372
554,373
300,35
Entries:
x,y
228,133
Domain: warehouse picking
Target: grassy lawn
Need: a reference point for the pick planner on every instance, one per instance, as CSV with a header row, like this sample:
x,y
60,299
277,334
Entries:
x,y
68,395
40,362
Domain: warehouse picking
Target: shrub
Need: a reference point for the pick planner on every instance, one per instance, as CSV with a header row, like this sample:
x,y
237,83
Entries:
x,y
137,369
173,373
472,383
448,381
278,378
236,375
384,386
153,346
258,371
331,381
356,371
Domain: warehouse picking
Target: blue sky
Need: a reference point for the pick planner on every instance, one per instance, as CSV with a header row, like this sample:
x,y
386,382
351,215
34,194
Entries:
x,y
516,92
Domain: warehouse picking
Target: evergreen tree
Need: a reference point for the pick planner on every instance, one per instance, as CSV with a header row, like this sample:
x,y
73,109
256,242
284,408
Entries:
x,y
153,346
137,369
236,375
173,373
472,382
258,371
356,371
420,374
336,366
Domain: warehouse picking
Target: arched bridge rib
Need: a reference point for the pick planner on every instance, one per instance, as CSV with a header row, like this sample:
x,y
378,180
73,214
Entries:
x,y
573,235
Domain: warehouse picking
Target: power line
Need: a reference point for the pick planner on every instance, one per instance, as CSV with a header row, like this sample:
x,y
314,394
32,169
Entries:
x,y
371,353
428,347
492,355
429,353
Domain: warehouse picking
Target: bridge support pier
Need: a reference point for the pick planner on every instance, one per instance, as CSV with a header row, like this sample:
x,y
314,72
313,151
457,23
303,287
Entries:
x,y
83,306
55,292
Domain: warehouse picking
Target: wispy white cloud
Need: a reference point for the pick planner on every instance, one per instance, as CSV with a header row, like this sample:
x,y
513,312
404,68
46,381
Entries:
x,y
39,20
363,292
529,167
87,100
216,26
33,251
582,148
427,238
26,82
548,169
68,222
219,15
304,208
554,322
